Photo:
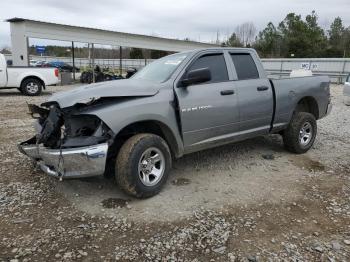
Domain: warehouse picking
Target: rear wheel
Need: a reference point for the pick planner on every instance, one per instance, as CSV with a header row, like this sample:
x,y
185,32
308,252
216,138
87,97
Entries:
x,y
31,87
143,165
301,133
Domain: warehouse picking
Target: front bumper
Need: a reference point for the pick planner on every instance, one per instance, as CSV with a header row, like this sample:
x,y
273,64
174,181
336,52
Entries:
x,y
70,162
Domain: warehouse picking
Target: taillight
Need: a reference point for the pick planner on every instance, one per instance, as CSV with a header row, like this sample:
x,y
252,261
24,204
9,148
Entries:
x,y
56,72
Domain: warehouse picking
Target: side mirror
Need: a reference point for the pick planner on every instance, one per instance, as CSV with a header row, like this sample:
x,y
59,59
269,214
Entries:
x,y
196,76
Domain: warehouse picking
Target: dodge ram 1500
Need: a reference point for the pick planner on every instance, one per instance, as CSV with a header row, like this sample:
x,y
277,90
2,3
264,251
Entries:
x,y
178,104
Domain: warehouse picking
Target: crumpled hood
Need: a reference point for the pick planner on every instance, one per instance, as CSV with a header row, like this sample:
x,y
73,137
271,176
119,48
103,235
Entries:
x,y
115,88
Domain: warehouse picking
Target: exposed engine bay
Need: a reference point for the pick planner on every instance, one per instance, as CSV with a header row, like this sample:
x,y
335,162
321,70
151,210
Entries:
x,y
66,128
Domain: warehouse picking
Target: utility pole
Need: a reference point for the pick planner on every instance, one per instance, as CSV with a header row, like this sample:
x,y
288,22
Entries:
x,y
120,60
73,58
93,63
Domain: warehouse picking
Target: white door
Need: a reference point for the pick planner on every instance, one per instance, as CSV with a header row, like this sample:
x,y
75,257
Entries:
x,y
3,76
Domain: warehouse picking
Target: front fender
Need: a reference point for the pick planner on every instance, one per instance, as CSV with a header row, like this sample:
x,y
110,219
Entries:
x,y
156,108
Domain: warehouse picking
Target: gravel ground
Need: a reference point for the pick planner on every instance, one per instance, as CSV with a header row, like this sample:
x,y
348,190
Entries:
x,y
250,201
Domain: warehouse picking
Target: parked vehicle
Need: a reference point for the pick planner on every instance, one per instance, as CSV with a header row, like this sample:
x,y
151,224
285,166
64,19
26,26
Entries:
x,y
41,64
346,91
32,62
62,66
178,104
29,80
9,62
86,77
130,72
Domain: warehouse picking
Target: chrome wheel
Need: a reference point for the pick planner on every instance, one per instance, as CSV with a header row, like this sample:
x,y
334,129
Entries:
x,y
151,166
305,134
32,87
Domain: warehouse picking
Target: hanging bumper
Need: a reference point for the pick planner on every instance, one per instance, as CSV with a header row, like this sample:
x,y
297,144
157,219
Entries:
x,y
75,162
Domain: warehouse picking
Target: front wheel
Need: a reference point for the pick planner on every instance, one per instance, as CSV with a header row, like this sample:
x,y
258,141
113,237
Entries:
x,y
31,87
301,133
143,165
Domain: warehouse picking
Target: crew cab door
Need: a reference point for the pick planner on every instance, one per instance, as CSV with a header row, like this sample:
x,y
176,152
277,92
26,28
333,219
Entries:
x,y
255,94
3,66
208,111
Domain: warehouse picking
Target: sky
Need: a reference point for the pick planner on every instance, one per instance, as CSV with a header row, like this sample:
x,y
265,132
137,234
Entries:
x,y
199,20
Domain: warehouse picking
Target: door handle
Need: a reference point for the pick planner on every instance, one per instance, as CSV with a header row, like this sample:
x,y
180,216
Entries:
x,y
262,88
227,92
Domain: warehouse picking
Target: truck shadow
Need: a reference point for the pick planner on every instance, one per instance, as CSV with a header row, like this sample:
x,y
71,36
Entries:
x,y
16,93
226,156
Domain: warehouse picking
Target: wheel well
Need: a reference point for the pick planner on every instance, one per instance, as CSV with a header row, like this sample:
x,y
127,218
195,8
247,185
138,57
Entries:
x,y
153,127
308,104
33,77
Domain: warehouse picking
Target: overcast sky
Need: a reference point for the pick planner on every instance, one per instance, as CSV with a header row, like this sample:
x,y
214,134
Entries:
x,y
196,19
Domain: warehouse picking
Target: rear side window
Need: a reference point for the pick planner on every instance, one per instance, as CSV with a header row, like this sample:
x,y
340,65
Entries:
x,y
216,64
348,79
245,66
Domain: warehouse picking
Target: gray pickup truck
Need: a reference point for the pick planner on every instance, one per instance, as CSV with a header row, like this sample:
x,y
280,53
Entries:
x,y
178,104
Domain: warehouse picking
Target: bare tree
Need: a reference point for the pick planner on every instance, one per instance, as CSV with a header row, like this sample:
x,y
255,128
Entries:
x,y
246,33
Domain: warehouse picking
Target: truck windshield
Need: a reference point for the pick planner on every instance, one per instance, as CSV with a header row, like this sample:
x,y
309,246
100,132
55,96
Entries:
x,y
161,69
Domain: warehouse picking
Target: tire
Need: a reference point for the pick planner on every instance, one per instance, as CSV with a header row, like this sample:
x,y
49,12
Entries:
x,y
132,165
31,87
301,133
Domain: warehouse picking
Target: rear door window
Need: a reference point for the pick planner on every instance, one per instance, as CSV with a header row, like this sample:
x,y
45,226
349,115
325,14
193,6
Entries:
x,y
245,66
216,64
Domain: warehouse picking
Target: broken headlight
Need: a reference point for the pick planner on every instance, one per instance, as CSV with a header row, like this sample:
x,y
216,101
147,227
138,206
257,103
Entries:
x,y
84,130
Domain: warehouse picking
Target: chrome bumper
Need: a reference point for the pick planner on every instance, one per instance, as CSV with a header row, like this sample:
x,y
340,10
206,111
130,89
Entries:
x,y
68,163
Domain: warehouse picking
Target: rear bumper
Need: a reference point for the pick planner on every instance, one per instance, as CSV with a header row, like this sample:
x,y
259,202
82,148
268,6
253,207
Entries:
x,y
68,163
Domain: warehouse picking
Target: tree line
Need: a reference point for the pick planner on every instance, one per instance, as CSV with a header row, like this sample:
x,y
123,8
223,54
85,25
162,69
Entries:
x,y
294,37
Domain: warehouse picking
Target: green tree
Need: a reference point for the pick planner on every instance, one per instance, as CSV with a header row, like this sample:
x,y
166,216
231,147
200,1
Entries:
x,y
302,38
337,39
136,53
294,32
316,38
346,39
155,54
268,41
233,41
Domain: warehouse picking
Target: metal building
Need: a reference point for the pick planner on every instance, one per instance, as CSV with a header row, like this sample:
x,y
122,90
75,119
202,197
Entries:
x,y
22,29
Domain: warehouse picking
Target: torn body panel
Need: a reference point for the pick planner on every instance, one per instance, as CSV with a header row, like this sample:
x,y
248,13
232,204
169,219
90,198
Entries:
x,y
68,145
111,89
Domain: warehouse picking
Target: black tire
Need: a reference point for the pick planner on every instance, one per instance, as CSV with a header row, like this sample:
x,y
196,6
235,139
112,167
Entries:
x,y
31,87
129,158
293,139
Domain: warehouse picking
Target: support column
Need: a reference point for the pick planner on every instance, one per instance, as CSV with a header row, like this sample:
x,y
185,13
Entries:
x,y
120,60
73,58
93,63
19,44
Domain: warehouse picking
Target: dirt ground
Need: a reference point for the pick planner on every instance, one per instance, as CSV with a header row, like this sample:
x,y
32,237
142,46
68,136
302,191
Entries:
x,y
250,201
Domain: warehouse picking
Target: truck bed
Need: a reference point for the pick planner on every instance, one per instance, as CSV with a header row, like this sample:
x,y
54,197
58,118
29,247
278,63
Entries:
x,y
289,91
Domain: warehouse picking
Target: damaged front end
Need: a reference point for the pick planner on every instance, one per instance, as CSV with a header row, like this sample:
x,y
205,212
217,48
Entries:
x,y
68,143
